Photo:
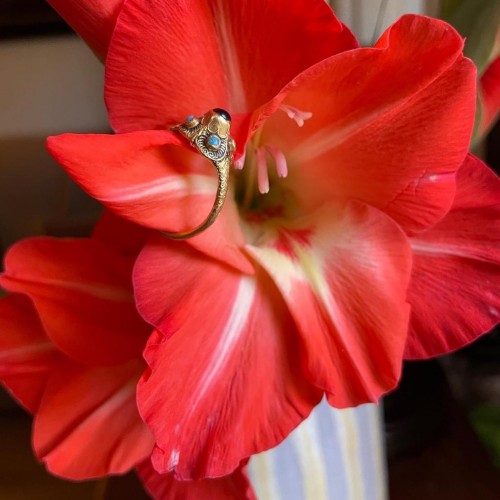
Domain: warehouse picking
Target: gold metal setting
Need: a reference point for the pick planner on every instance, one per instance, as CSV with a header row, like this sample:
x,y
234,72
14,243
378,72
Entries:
x,y
209,135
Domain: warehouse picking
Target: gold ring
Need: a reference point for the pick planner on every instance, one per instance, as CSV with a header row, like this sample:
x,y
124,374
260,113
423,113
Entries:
x,y
209,135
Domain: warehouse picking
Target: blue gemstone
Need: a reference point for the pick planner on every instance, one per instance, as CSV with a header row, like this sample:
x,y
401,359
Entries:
x,y
213,141
190,118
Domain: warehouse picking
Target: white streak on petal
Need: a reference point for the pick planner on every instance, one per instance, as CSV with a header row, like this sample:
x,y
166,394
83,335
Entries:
x,y
25,352
97,290
494,311
229,56
171,186
114,404
439,249
174,459
280,266
329,137
438,177
229,337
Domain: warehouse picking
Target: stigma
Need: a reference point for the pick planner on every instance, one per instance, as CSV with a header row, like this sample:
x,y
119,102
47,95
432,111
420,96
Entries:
x,y
296,114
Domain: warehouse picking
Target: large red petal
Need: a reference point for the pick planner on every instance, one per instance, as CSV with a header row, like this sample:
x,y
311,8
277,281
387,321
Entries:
x,y
154,180
390,125
93,20
343,272
170,59
82,291
88,425
228,369
455,286
165,487
26,353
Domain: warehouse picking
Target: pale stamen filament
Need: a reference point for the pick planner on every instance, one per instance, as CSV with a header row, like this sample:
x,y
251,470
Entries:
x,y
240,163
296,114
279,160
262,174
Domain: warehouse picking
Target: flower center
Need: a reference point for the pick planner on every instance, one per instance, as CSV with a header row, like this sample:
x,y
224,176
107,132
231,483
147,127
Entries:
x,y
261,166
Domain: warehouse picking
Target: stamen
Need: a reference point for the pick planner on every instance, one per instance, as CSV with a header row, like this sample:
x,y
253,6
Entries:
x,y
279,160
262,175
240,162
296,114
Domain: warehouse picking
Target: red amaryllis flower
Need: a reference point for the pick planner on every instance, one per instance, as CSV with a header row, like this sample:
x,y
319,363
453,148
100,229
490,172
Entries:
x,y
300,287
70,352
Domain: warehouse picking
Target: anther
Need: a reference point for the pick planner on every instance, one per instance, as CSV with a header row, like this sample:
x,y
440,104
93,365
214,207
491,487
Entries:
x,y
240,162
279,160
296,114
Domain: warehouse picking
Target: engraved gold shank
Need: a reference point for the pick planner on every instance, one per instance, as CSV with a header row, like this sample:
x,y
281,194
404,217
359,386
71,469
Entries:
x,y
210,136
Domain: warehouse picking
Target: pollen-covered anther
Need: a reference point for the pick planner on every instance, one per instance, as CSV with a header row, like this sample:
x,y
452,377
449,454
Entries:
x,y
296,114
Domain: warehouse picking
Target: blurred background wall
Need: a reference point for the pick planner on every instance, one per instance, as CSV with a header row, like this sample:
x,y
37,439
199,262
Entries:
x,y
48,85
368,18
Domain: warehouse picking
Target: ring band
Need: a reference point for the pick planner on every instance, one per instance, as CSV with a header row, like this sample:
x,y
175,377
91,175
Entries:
x,y
209,135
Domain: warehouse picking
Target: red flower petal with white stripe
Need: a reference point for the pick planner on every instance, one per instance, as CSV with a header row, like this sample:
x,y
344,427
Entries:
x,y
27,356
455,292
86,421
343,273
71,353
228,369
81,283
382,130
170,59
87,424
153,179
344,143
